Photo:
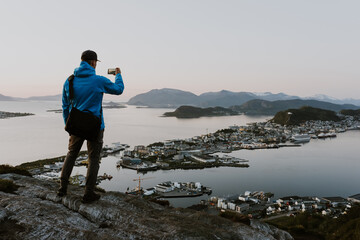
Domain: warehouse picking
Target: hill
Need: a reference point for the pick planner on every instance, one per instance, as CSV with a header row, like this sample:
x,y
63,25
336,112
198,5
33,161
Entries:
x,y
350,112
164,98
6,98
297,116
35,98
263,107
224,98
195,112
46,98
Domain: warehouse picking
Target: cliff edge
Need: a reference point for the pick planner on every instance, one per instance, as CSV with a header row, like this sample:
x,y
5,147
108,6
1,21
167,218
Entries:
x,y
34,211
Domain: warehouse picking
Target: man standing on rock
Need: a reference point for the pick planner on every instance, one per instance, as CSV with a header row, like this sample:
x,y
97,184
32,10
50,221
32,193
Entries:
x,y
88,89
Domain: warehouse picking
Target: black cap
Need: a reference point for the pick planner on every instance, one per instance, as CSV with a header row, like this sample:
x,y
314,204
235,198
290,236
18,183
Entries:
x,y
89,55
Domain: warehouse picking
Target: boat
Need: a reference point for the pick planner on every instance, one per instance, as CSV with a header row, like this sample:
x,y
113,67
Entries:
x,y
331,134
181,190
135,191
327,135
143,166
301,138
321,135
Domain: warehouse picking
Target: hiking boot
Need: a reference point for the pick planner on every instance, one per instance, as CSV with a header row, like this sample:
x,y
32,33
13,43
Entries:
x,y
90,197
62,191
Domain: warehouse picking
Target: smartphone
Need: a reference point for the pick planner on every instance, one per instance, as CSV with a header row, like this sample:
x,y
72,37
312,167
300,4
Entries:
x,y
111,71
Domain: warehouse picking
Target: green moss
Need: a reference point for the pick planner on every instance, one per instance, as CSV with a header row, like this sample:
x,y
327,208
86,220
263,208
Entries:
x,y
8,186
10,169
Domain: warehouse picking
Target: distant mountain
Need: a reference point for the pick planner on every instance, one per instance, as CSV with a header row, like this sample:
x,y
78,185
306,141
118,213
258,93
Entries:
x,y
325,98
6,98
196,112
46,98
164,98
297,116
263,107
273,97
174,98
224,98
41,98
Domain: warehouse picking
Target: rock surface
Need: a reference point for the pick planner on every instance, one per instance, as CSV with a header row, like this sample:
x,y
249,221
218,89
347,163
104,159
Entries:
x,y
36,212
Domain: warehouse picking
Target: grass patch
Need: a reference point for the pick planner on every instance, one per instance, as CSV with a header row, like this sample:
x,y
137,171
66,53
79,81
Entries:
x,y
10,169
47,161
8,186
41,163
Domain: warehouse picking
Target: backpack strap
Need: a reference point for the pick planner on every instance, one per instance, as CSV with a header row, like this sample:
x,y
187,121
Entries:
x,y
71,88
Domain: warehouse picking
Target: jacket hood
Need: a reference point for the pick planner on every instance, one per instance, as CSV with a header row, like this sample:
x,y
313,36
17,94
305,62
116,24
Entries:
x,y
85,70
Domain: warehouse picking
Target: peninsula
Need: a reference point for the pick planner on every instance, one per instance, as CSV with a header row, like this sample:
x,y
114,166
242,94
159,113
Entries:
x,y
13,114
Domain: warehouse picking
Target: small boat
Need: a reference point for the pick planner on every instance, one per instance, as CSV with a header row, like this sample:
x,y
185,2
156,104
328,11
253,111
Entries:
x,y
331,134
321,135
135,191
301,138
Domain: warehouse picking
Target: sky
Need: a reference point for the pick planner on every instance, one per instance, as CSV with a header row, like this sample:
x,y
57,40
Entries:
x,y
300,48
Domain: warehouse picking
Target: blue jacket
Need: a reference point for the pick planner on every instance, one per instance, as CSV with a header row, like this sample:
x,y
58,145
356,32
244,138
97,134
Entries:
x,y
89,89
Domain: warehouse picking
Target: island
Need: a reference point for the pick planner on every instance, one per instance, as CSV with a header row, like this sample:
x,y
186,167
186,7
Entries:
x,y
4,115
196,112
106,105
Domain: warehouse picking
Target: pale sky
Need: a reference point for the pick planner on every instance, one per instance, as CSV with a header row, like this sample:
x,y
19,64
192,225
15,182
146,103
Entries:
x,y
303,47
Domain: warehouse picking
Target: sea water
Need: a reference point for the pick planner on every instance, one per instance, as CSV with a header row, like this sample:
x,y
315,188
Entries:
x,y
322,167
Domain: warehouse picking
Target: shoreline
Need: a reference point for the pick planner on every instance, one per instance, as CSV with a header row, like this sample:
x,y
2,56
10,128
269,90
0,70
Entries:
x,y
199,152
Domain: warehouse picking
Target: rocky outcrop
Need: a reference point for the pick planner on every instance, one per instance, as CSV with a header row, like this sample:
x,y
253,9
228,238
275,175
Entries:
x,y
34,211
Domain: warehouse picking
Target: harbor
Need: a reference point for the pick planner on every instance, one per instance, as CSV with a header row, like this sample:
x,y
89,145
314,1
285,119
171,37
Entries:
x,y
211,149
232,179
203,151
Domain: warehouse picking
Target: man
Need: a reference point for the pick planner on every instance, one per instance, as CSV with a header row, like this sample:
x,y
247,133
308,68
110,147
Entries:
x,y
88,95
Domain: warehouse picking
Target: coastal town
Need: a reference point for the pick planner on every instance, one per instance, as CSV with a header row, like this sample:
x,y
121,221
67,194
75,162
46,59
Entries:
x,y
211,149
202,151
214,150
260,205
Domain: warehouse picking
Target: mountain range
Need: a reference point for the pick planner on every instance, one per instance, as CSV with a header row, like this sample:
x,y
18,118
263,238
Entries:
x,y
173,98
39,98
263,107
